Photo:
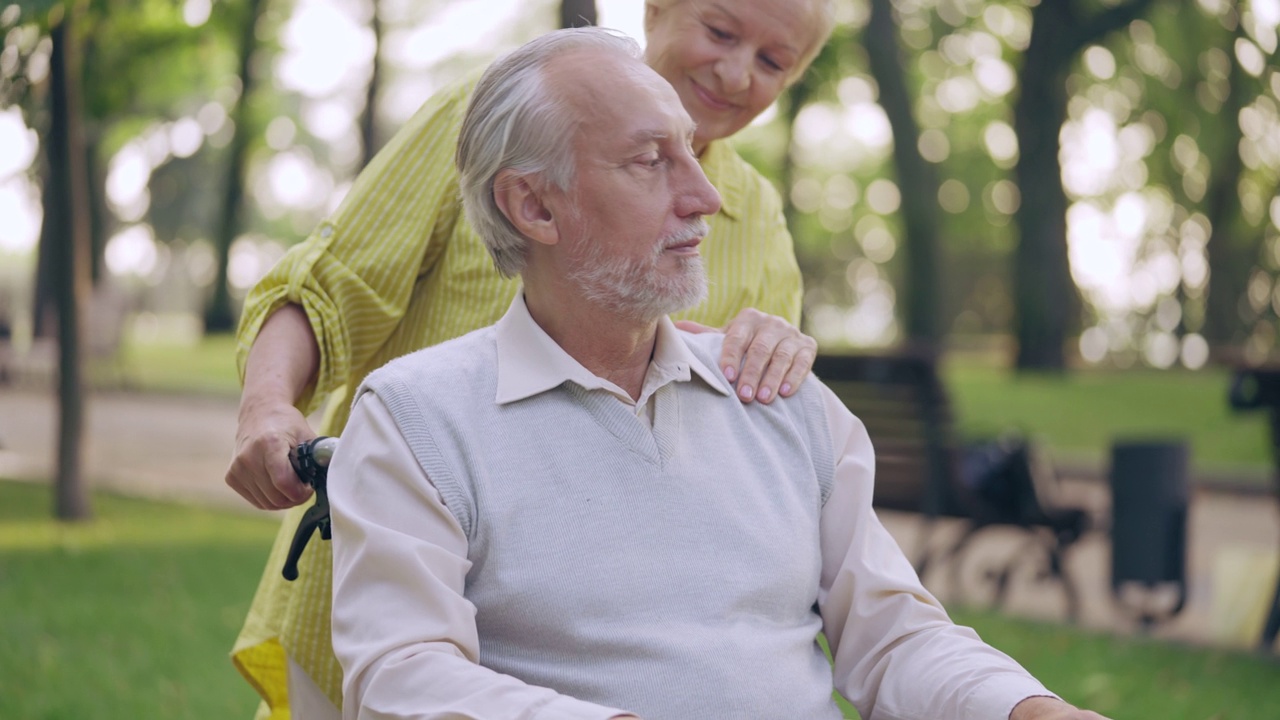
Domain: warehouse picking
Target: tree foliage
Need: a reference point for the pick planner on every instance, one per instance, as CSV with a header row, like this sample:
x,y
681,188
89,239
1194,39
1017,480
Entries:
x,y
1088,178
1104,172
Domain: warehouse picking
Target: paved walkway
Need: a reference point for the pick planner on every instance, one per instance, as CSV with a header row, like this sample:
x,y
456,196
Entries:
x,y
177,447
165,446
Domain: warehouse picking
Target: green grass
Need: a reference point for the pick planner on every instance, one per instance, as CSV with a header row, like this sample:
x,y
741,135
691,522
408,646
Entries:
x,y
1079,415
1132,679
132,614
206,367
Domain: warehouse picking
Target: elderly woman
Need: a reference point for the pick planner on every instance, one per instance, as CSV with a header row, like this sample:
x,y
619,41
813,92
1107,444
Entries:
x,y
397,268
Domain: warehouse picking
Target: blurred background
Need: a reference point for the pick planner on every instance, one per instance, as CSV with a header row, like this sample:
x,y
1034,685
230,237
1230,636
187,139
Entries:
x,y
1097,187
1045,186
1071,203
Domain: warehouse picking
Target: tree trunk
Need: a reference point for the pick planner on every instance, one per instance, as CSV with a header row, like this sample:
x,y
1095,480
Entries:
x,y
219,316
577,13
43,305
1046,300
917,181
100,218
1231,253
96,176
44,313
67,221
368,120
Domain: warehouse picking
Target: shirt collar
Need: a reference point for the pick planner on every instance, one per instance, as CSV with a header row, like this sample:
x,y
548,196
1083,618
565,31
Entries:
x,y
717,163
530,362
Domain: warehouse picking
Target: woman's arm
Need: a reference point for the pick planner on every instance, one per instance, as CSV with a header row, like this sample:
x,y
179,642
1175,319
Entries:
x,y
281,365
314,321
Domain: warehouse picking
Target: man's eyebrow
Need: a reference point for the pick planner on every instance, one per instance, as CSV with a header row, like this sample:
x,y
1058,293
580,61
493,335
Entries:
x,y
644,137
641,138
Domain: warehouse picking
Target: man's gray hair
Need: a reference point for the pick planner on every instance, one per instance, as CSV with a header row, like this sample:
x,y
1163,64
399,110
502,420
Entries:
x,y
514,121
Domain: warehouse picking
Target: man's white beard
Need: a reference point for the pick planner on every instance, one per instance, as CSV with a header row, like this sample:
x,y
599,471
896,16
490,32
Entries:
x,y
636,288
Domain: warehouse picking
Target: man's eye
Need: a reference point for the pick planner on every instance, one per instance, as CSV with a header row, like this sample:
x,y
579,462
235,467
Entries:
x,y
771,63
651,160
719,34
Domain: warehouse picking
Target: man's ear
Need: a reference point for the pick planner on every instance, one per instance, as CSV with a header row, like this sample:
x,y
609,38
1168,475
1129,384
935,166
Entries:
x,y
651,12
525,207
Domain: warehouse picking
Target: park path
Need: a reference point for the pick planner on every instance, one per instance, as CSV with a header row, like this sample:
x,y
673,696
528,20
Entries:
x,y
177,447
158,445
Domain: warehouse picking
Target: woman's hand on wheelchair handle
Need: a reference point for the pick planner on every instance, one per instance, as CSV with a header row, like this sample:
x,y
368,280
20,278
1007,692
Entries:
x,y
260,470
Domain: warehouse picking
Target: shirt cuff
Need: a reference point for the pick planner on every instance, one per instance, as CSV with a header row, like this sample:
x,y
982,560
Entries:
x,y
565,707
996,698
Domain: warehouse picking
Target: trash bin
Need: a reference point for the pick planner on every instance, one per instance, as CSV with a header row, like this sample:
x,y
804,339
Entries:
x,y
1149,499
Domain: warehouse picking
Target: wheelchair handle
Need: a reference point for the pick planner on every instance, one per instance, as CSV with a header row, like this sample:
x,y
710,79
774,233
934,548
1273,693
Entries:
x,y
310,461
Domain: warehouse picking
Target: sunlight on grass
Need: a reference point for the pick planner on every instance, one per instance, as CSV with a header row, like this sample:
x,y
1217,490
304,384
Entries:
x,y
120,522
130,615
207,366
1134,678
1081,414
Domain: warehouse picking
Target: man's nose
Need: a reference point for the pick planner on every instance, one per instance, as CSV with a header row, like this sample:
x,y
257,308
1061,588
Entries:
x,y
698,196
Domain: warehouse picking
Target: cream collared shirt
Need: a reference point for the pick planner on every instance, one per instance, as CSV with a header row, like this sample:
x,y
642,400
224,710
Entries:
x,y
896,654
530,362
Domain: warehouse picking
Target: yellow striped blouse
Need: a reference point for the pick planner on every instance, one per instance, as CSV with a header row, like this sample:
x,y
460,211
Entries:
x,y
396,269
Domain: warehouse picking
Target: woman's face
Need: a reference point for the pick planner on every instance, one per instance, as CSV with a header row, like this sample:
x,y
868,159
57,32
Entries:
x,y
729,59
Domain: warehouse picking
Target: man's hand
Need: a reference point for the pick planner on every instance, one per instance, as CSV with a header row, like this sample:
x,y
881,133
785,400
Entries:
x,y
1047,708
763,355
260,470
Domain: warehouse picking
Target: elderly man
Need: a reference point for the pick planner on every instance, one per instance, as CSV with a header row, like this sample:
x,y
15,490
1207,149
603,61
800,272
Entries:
x,y
568,514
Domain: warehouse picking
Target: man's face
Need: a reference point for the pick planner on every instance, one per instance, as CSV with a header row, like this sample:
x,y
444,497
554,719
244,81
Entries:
x,y
635,209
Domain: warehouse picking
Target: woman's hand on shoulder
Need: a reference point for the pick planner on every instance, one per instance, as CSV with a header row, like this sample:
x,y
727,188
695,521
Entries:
x,y
764,356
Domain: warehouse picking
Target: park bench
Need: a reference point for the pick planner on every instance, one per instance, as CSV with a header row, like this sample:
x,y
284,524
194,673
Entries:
x,y
921,467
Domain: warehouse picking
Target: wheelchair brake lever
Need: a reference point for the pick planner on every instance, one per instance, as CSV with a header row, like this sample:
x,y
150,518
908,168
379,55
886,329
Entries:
x,y
310,461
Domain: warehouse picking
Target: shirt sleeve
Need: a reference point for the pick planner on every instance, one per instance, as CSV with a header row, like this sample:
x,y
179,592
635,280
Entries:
x,y
355,273
403,630
896,653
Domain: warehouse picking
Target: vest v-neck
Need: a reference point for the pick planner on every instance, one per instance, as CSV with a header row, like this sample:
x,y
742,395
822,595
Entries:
x,y
655,444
